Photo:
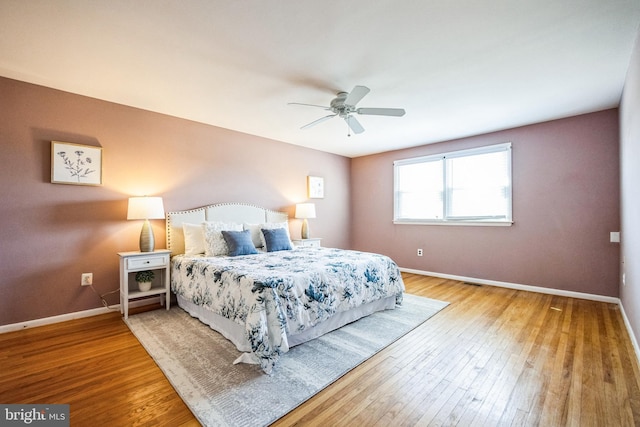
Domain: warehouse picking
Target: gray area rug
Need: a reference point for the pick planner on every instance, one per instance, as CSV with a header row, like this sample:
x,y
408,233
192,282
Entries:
x,y
199,362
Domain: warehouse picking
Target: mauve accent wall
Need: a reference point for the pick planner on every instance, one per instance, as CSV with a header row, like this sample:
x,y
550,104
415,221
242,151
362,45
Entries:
x,y
51,233
630,183
565,203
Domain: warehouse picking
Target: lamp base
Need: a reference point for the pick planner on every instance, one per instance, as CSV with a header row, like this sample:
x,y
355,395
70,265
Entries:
x,y
304,233
147,240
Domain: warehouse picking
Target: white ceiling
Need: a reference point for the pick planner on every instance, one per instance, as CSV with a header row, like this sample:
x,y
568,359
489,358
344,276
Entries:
x,y
458,67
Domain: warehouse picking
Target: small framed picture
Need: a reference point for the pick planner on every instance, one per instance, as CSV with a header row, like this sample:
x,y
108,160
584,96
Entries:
x,y
75,164
315,187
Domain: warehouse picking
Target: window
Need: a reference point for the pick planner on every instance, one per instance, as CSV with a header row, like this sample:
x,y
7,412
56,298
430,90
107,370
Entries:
x,y
462,187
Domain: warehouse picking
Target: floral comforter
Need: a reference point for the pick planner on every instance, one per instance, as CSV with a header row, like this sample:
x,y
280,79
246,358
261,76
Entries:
x,y
271,294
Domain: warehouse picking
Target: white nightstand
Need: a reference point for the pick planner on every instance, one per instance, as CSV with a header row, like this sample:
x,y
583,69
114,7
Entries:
x,y
132,262
307,243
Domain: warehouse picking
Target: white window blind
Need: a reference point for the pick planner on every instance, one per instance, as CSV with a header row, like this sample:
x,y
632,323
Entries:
x,y
469,186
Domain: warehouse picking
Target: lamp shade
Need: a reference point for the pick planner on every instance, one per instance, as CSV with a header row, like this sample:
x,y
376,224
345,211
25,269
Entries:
x,y
305,210
145,208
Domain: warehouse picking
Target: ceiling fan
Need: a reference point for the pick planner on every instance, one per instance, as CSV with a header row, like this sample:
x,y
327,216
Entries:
x,y
344,106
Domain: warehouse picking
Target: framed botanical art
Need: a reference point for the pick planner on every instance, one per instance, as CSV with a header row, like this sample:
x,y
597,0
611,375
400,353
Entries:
x,y
75,164
315,187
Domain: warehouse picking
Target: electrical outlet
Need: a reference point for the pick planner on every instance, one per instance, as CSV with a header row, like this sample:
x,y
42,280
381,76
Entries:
x,y
86,279
419,252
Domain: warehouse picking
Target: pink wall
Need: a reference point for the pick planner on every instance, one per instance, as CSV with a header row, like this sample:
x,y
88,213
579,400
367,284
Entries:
x,y
630,183
566,198
51,233
565,203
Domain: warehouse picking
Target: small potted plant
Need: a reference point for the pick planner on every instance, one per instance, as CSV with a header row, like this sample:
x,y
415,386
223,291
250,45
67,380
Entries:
x,y
144,279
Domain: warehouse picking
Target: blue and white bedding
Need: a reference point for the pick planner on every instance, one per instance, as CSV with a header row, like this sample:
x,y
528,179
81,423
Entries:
x,y
273,294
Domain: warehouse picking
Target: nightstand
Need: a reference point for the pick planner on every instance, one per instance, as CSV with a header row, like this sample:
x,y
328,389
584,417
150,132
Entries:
x,y
307,243
132,262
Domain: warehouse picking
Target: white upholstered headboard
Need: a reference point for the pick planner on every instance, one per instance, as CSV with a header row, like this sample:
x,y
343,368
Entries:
x,y
227,212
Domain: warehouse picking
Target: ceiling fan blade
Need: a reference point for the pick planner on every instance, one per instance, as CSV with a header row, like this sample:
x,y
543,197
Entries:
x,y
354,124
356,95
324,107
396,112
320,120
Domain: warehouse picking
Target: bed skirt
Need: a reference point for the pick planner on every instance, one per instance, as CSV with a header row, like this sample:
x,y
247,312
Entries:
x,y
236,333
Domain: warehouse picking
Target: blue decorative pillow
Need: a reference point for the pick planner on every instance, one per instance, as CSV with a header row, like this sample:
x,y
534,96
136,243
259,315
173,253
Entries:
x,y
276,239
239,242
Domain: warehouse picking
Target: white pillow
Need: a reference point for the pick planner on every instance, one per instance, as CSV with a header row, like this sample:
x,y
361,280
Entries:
x,y
271,226
256,234
215,245
193,239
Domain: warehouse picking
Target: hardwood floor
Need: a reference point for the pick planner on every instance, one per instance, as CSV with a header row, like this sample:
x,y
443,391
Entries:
x,y
493,357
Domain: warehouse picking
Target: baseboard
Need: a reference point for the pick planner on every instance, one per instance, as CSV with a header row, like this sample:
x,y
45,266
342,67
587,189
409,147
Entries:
x,y
571,294
71,316
627,324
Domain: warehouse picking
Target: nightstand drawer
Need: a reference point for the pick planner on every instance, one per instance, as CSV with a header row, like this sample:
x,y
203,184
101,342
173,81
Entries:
x,y
147,261
307,243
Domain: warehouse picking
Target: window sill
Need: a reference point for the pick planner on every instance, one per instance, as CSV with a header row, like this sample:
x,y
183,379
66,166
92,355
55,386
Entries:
x,y
463,223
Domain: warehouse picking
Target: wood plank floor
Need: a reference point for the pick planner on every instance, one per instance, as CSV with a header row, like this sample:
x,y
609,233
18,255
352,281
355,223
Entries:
x,y
494,357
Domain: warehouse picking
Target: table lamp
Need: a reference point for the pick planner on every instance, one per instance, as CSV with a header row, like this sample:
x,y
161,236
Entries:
x,y
146,208
304,211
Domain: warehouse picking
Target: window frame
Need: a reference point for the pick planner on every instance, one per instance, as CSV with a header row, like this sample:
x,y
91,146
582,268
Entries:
x,y
448,219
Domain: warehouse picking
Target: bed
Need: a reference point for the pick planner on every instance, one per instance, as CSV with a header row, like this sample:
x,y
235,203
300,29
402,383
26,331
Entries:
x,y
235,268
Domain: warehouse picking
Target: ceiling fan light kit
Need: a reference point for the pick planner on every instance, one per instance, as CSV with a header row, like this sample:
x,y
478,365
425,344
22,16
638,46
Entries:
x,y
344,106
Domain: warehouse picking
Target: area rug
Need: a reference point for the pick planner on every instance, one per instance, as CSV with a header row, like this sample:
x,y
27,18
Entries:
x,y
199,362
